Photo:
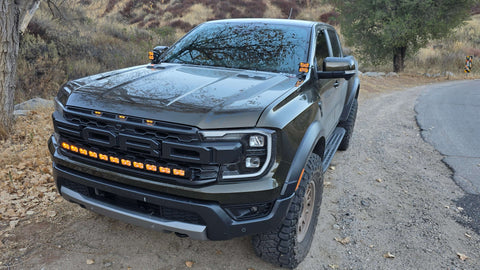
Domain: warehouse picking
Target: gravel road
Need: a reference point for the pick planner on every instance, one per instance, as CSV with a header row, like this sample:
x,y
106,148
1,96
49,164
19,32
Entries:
x,y
389,203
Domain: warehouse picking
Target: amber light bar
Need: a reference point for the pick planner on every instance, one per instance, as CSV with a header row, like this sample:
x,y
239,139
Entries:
x,y
121,161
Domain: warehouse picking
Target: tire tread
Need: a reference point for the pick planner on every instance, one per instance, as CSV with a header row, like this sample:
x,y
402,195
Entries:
x,y
280,247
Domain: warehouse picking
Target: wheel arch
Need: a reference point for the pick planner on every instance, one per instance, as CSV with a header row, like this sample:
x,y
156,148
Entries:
x,y
353,93
313,142
319,148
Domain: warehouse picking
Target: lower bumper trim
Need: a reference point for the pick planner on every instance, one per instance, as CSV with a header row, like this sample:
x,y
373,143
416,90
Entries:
x,y
194,231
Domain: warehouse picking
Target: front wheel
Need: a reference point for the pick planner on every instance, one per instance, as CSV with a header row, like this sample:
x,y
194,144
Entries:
x,y
289,243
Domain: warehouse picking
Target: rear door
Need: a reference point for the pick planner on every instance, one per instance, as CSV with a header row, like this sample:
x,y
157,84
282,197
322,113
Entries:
x,y
340,85
325,87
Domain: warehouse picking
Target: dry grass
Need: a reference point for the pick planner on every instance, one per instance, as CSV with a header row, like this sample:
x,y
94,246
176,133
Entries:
x,y
3,133
449,54
372,86
198,14
315,13
272,12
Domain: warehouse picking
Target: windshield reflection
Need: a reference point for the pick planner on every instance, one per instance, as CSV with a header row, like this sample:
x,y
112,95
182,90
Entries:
x,y
252,46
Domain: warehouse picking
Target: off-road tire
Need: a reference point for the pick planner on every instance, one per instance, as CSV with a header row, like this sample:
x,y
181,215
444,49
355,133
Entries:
x,y
348,125
282,246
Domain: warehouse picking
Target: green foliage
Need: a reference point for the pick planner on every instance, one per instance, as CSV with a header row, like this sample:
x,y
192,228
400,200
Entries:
x,y
379,28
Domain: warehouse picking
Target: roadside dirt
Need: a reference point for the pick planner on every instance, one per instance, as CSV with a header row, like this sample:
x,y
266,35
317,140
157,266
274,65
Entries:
x,y
389,203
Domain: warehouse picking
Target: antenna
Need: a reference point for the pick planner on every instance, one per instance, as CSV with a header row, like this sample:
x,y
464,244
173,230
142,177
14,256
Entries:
x,y
290,15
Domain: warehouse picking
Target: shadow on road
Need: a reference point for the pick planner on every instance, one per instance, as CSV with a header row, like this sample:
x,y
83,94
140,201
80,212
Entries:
x,y
471,211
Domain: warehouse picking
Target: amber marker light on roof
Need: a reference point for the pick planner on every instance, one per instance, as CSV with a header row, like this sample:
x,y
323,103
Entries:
x,y
92,154
126,162
103,157
304,67
83,151
164,170
178,172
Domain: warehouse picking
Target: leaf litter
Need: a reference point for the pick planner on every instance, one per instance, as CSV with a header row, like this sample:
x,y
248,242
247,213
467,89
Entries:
x,y
27,187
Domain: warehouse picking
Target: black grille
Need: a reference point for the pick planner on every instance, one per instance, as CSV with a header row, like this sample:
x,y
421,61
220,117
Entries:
x,y
131,125
131,138
154,210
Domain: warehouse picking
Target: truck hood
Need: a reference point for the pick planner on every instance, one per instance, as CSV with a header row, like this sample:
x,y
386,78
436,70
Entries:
x,y
204,97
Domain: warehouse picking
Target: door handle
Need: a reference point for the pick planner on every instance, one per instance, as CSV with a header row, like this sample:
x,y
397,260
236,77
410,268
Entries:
x,y
336,84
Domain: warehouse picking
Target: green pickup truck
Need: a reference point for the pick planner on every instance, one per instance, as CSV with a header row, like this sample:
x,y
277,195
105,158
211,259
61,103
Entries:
x,y
224,134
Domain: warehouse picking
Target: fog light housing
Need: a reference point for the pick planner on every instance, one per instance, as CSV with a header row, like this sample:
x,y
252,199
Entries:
x,y
251,211
252,162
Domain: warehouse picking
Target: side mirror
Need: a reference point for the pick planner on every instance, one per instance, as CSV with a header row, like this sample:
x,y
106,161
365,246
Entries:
x,y
154,56
338,67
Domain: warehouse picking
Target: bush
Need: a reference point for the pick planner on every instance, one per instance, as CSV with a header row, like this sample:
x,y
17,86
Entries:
x,y
330,17
110,5
254,9
475,9
38,72
185,26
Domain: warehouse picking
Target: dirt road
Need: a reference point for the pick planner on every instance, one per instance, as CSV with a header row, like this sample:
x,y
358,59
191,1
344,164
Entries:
x,y
389,203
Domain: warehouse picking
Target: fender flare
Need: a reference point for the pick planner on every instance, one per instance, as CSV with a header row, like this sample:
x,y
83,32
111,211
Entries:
x,y
306,147
353,93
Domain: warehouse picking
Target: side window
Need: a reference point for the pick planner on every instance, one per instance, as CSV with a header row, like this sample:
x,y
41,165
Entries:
x,y
336,49
321,49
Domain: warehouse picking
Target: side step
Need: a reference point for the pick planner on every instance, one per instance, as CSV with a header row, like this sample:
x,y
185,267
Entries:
x,y
332,146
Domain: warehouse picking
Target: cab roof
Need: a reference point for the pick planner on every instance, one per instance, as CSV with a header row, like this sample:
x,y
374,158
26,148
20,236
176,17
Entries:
x,y
300,23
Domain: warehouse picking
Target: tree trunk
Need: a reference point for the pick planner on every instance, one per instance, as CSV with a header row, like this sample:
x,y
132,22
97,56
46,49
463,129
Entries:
x,y
14,14
9,33
399,59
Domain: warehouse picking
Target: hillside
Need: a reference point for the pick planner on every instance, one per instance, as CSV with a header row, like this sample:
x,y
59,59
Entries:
x,y
185,14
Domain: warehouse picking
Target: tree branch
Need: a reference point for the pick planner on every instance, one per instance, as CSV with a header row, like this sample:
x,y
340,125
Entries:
x,y
27,9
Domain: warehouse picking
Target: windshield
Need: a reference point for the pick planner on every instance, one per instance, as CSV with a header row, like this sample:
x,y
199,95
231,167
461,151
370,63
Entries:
x,y
253,46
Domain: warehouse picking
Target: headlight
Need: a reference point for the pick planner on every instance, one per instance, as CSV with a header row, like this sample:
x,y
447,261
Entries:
x,y
257,145
257,141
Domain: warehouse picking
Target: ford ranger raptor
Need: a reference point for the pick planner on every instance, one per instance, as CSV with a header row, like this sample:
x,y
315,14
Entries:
x,y
224,134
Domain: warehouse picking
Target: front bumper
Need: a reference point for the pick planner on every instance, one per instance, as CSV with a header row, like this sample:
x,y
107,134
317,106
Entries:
x,y
197,218
193,230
